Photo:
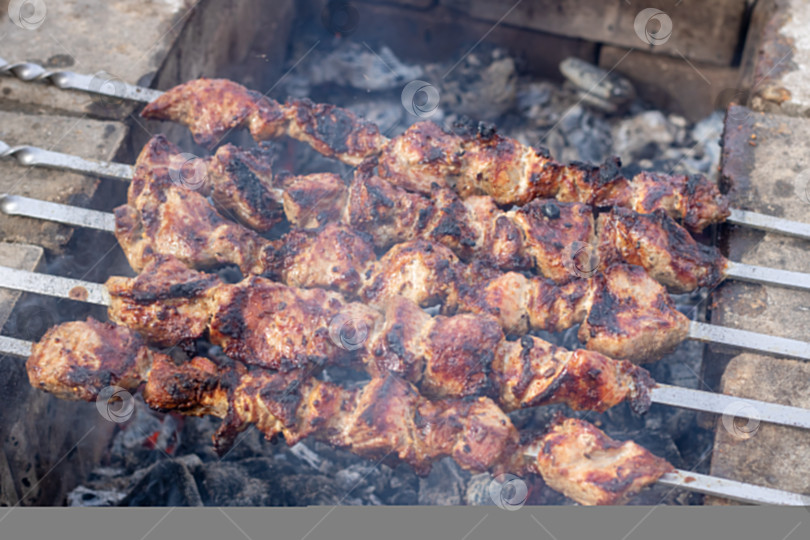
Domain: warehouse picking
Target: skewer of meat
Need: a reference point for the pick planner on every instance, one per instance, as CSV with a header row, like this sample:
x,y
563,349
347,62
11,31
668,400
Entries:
x,y
530,372
337,132
270,325
547,235
475,161
77,360
169,218
385,419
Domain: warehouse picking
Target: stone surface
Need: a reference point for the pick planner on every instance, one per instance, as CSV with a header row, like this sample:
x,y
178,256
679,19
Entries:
x,y
778,58
79,136
691,88
440,34
22,256
764,158
89,37
705,31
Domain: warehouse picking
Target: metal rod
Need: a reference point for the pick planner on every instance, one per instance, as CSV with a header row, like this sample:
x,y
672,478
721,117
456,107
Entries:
x,y
34,156
732,489
750,341
769,223
16,205
752,409
101,83
108,85
15,347
60,287
701,483
74,289
768,276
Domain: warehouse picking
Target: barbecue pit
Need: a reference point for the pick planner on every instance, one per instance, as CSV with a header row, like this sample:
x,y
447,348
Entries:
x,y
580,132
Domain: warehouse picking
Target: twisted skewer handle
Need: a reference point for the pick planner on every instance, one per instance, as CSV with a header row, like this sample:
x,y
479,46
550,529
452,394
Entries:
x,y
101,83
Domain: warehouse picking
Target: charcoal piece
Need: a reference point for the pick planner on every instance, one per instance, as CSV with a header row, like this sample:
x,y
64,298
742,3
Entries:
x,y
168,483
444,486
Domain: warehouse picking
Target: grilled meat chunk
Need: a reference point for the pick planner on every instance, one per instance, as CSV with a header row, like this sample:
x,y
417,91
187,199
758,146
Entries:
x,y
580,461
76,360
213,107
655,242
532,372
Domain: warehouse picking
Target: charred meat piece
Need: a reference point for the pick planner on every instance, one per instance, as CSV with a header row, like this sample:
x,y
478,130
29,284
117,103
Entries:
x,y
76,360
213,107
532,372
657,243
241,184
631,316
580,461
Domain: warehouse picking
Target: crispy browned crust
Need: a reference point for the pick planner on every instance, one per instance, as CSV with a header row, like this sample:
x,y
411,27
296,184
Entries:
x,y
657,243
76,360
582,462
314,200
241,184
211,108
532,372
631,316
167,303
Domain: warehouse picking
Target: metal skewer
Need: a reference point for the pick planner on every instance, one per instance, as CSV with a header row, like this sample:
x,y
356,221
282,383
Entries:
x,y
113,87
33,156
96,293
722,487
706,333
700,483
